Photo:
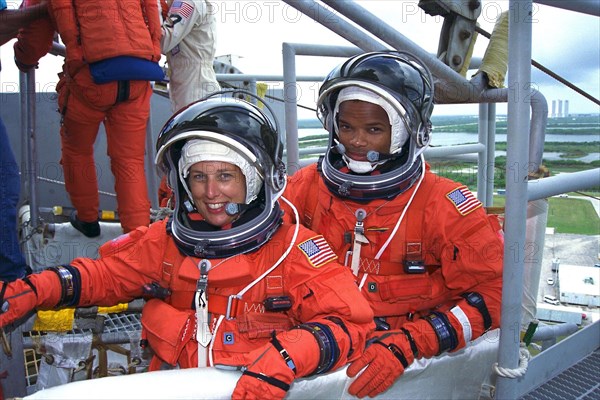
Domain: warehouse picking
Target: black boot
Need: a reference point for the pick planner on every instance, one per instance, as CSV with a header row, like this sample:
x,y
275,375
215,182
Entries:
x,y
89,229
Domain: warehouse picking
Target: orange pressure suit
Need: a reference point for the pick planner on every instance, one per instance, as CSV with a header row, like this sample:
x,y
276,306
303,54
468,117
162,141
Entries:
x,y
305,287
94,30
441,251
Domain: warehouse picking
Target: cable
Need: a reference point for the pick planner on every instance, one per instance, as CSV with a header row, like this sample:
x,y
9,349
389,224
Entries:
x,y
225,84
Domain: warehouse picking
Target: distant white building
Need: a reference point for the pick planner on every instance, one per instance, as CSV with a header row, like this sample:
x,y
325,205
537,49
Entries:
x,y
579,285
560,110
547,312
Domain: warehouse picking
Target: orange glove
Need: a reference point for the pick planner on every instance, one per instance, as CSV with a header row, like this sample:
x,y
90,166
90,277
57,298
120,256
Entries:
x,y
268,377
22,296
386,358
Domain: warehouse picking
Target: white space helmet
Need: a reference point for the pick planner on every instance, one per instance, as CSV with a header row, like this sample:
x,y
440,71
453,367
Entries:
x,y
222,127
403,87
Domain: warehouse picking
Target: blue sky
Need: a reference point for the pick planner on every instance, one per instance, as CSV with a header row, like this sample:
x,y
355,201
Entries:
x,y
252,31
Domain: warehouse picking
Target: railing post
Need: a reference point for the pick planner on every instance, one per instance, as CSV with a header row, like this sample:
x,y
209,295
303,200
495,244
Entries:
x,y
482,156
290,98
29,168
519,90
490,165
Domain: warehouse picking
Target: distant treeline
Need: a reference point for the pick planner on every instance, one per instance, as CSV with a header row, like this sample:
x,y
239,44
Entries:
x,y
569,149
466,173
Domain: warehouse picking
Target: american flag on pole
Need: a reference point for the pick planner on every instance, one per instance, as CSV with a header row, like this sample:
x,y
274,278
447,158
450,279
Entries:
x,y
463,200
317,251
182,8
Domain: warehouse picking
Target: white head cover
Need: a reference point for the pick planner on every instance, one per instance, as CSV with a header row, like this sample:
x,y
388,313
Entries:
x,y
197,150
399,130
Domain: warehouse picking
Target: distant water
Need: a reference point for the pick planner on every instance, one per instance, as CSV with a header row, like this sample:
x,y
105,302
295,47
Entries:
x,y
556,156
447,138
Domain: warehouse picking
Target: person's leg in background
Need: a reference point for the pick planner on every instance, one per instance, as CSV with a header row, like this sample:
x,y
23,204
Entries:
x,y
78,134
12,263
84,105
126,137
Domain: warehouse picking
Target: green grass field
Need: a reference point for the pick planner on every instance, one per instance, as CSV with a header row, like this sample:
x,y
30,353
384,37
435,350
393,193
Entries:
x,y
568,215
573,216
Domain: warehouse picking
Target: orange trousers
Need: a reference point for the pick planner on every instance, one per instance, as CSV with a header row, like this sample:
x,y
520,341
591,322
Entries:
x,y
124,108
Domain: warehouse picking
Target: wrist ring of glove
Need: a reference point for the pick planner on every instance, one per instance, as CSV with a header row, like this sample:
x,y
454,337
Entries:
x,y
328,347
70,282
445,332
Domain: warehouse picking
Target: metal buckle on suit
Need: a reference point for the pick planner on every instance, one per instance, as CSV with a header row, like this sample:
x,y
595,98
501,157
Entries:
x,y
230,305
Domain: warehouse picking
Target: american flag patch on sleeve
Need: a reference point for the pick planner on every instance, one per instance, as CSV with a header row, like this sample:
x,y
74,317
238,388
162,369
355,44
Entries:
x,y
182,8
464,200
317,251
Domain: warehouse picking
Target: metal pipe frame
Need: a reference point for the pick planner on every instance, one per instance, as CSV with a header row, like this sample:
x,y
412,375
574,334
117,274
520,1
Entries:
x,y
28,177
482,157
547,187
545,332
266,78
519,70
490,163
101,338
290,96
591,7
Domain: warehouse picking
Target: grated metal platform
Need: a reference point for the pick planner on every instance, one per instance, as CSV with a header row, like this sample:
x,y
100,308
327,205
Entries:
x,y
122,322
580,382
119,328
